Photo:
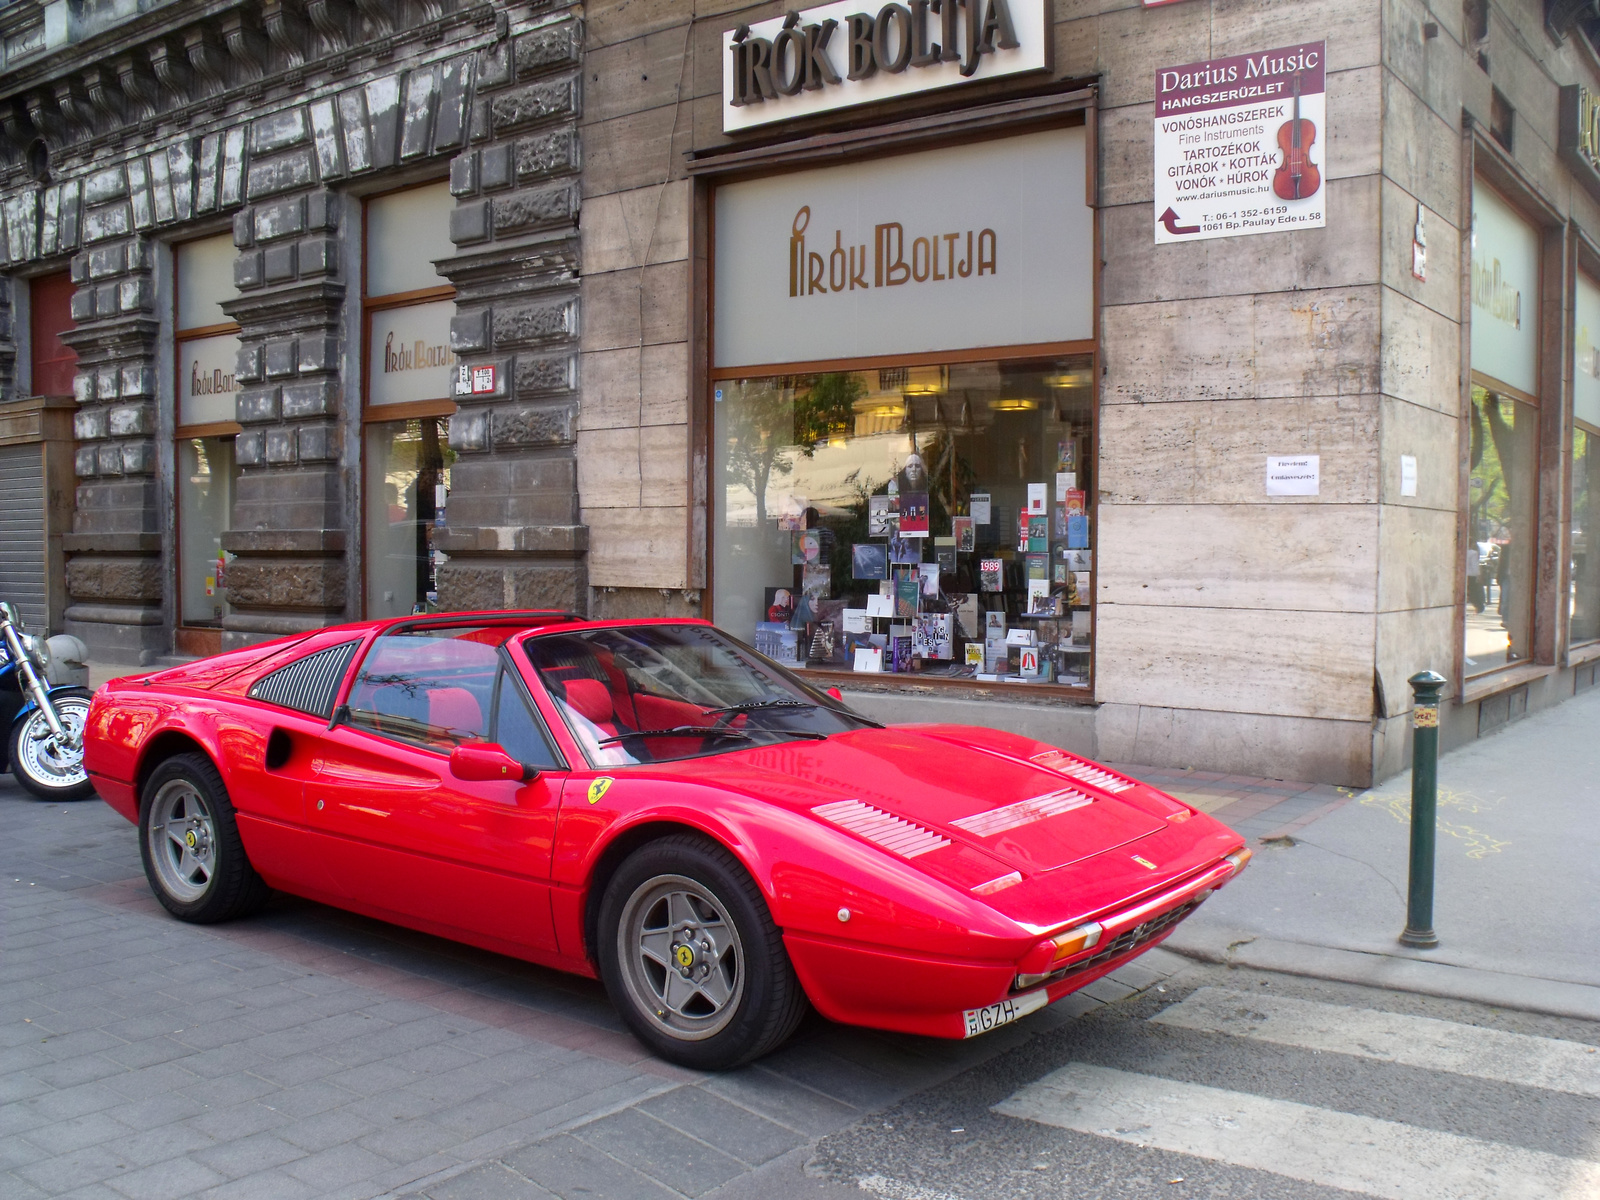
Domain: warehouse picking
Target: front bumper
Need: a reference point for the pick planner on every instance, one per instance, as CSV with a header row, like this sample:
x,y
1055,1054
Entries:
x,y
911,993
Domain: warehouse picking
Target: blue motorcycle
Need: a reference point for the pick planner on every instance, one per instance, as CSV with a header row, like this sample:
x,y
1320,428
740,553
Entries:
x,y
46,721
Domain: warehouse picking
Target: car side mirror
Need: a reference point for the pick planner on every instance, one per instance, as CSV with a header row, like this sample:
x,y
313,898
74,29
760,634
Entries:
x,y
836,693
482,762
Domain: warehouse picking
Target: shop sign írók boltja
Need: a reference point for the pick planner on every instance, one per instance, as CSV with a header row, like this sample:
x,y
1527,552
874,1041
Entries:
x,y
1239,145
841,55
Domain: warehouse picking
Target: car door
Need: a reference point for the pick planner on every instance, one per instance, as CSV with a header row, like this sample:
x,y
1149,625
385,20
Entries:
x,y
401,835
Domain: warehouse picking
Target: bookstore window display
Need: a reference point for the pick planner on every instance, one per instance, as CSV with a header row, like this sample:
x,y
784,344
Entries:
x,y
931,519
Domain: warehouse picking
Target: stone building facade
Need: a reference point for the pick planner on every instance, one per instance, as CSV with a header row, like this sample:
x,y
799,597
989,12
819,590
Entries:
x,y
594,165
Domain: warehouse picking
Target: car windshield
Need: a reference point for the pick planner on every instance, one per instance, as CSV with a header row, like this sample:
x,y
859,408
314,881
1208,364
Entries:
x,y
656,693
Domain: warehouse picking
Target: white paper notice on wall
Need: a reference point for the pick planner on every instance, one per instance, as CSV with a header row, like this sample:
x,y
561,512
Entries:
x,y
1294,474
1408,475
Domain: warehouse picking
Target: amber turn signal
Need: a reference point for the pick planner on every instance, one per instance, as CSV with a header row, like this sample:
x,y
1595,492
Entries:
x,y
1239,858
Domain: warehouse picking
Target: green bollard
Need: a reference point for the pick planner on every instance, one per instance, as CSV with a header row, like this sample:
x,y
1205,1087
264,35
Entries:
x,y
1425,689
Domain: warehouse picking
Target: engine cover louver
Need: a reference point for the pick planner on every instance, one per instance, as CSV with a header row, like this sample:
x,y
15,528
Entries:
x,y
893,833
1023,812
308,684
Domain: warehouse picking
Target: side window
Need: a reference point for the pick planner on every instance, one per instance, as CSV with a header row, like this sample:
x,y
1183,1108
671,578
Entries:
x,y
517,730
431,689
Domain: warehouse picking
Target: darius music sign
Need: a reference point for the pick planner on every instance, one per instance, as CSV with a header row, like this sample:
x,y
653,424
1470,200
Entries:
x,y
848,53
1239,145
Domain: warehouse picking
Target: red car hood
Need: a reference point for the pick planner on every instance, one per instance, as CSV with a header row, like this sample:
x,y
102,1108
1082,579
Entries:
x,y
964,813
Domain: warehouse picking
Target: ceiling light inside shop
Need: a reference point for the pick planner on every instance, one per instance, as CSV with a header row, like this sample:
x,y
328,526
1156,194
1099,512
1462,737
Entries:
x,y
1070,379
1014,404
926,381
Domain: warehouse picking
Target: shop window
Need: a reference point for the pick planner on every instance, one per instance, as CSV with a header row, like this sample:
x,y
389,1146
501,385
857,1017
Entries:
x,y
49,316
1583,598
1499,557
409,378
932,519
206,344
1502,511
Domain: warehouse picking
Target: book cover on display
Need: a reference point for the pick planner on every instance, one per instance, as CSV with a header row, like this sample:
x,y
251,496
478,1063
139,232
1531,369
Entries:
x,y
932,636
905,551
975,654
870,560
978,508
1058,520
945,556
882,513
930,580
991,575
1036,499
900,649
778,642
816,582
905,596
1078,559
969,622
1077,531
1038,535
913,514
868,658
1075,501
778,604
962,529
1022,530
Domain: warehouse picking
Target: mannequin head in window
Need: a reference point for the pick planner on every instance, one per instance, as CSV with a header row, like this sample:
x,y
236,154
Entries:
x,y
913,476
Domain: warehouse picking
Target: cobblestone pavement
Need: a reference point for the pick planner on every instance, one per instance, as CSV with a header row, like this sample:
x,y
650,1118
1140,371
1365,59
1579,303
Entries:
x,y
307,1052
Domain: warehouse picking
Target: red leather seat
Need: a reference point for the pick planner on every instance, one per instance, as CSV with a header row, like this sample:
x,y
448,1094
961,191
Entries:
x,y
591,700
455,708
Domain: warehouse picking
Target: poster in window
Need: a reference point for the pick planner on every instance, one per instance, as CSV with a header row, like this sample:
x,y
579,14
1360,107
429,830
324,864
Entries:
x,y
913,514
882,514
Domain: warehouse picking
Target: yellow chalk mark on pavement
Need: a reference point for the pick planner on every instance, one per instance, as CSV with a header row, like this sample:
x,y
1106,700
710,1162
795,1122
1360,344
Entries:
x,y
1478,844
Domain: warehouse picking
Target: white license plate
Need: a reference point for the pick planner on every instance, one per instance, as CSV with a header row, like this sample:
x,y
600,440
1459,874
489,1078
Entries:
x,y
981,1020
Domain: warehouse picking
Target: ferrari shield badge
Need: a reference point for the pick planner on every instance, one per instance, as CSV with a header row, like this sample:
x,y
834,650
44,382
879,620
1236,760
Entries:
x,y
599,788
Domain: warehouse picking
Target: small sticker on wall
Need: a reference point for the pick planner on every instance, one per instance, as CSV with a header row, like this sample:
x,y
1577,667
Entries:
x,y
482,380
1408,475
1294,475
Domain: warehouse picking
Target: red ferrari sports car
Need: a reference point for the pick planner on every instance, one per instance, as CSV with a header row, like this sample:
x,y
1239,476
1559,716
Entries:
x,y
655,804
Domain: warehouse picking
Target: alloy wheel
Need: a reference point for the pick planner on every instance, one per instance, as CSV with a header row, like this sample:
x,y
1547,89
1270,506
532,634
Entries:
x,y
183,844
681,957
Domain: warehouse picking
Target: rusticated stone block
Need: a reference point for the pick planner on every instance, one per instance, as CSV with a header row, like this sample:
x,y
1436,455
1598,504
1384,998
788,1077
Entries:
x,y
317,584
549,154
553,374
108,460
319,256
286,172
279,263
464,175
93,578
469,430
470,223
90,424
495,169
138,458
318,443
530,323
106,380
309,399
249,365
524,211
248,270
106,222
536,102
280,219
83,462
107,260
494,66
250,448
533,426
129,420
135,295
279,129
469,332
257,404
138,379
547,48
283,358
466,586
109,184
280,445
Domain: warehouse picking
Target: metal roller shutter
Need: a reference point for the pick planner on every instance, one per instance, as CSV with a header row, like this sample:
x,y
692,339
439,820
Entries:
x,y
22,544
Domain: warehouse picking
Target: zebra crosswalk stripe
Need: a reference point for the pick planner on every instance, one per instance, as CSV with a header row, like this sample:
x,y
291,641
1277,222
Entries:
x,y
1426,1042
1315,1145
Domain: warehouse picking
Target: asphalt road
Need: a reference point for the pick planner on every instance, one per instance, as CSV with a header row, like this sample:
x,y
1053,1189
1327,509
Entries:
x,y
309,1053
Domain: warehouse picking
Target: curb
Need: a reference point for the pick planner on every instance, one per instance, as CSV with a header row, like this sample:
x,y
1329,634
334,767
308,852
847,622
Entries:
x,y
1521,993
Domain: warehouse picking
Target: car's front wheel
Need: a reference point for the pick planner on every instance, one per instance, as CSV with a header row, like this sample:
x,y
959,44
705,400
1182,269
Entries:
x,y
189,839
692,959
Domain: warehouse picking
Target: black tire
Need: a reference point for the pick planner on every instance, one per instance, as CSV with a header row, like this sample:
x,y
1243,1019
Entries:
x,y
189,840
45,768
765,1001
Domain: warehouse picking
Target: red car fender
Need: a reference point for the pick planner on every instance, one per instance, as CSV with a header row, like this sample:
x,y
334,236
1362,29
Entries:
x,y
816,880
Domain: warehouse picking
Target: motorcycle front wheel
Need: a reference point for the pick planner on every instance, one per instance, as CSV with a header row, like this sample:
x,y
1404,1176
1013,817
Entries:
x,y
51,767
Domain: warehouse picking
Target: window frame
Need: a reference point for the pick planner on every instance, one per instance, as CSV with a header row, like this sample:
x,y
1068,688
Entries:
x,y
1002,356
1485,163
182,433
433,409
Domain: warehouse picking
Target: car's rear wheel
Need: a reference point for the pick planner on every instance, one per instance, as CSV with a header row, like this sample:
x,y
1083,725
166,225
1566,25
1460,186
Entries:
x,y
692,959
189,840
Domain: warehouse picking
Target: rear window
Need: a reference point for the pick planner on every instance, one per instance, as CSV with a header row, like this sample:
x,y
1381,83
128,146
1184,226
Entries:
x,y
308,684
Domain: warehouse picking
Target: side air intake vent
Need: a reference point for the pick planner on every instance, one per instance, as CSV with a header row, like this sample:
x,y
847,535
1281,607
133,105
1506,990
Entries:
x,y
308,684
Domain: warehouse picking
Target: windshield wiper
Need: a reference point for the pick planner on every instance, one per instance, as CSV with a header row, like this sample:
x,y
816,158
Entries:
x,y
758,705
678,731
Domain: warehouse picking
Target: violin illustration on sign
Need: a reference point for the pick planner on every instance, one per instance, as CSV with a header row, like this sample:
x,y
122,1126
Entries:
x,y
1297,178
